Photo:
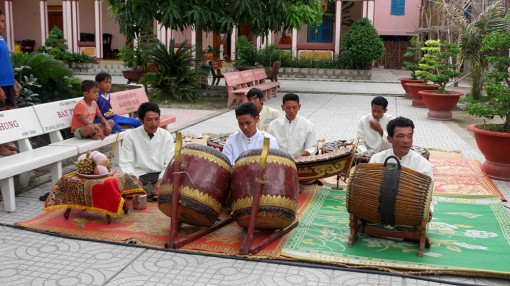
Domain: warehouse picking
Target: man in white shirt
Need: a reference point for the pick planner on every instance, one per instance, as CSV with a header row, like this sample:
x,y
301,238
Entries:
x,y
250,137
147,149
266,113
372,128
295,134
400,135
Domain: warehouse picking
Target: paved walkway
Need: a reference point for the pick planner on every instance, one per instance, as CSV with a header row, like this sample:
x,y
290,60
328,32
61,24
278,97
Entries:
x,y
30,258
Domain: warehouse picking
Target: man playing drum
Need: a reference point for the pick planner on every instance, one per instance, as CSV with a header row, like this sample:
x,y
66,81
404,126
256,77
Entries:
x,y
294,133
250,137
400,136
266,113
147,149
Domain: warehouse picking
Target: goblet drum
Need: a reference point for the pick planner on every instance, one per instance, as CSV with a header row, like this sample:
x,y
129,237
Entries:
x,y
203,188
279,198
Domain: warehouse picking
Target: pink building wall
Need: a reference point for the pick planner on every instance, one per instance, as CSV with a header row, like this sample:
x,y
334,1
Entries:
x,y
388,25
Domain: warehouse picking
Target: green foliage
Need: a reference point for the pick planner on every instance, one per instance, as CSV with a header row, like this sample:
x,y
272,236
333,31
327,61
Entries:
x,y
215,15
246,52
436,64
268,55
27,95
54,77
497,101
138,57
361,45
413,55
176,76
56,46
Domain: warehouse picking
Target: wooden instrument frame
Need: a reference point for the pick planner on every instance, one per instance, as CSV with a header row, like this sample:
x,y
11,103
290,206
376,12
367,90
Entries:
x,y
175,225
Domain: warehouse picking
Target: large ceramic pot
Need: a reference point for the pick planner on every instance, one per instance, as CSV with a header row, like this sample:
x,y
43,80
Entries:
x,y
495,146
440,104
133,76
404,81
413,90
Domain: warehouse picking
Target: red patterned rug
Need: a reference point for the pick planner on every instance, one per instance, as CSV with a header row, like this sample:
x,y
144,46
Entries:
x,y
462,177
151,227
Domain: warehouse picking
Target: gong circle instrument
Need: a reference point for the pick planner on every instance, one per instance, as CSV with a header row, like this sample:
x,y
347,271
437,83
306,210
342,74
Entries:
x,y
280,189
203,187
335,159
217,141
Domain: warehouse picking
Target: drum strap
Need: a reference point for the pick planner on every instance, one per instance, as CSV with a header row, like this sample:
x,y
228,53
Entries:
x,y
389,191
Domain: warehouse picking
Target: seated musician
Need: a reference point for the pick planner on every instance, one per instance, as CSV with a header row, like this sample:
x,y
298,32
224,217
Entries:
x,y
400,136
371,128
250,137
266,113
147,149
295,134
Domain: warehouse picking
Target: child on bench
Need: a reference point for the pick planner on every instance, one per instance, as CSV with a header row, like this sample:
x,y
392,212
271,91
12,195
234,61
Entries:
x,y
104,80
82,124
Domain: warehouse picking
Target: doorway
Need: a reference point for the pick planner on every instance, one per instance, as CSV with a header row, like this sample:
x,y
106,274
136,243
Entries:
x,y
55,17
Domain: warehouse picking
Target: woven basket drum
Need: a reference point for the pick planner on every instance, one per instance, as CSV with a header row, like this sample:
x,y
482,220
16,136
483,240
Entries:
x,y
279,199
204,185
412,201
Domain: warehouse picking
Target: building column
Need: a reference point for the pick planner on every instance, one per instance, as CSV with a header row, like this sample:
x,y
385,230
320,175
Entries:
x,y
75,12
164,35
338,26
233,39
193,42
43,10
294,43
98,19
69,10
9,25
258,42
371,11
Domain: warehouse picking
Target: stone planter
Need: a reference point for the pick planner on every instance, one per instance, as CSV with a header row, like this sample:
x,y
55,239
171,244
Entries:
x,y
413,90
440,104
324,74
133,76
404,81
495,146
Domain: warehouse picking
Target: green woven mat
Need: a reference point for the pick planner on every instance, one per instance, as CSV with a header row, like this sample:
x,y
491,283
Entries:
x,y
467,236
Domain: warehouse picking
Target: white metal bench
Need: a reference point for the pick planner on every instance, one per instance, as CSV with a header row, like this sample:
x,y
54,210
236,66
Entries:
x,y
19,125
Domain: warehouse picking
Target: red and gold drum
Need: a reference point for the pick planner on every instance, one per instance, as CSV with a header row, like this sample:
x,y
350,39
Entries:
x,y
204,185
279,199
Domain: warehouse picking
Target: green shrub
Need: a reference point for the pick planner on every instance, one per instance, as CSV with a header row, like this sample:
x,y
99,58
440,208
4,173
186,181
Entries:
x,y
246,52
361,45
56,46
176,77
412,55
54,77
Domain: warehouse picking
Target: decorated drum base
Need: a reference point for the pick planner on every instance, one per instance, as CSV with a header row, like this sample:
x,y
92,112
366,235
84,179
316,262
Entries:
x,y
275,212
189,211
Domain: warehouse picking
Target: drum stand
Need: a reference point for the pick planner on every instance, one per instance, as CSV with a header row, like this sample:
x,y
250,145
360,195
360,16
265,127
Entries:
x,y
246,245
174,220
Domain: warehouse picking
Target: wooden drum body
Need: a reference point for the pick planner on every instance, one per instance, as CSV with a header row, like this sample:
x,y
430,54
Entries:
x,y
279,199
324,165
204,185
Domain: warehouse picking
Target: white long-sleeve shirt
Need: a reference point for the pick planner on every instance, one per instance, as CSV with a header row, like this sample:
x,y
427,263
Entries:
x,y
266,115
141,154
295,136
237,143
369,139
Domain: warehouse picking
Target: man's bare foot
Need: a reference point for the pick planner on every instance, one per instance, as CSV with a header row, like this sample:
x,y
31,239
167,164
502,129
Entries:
x,y
11,147
95,136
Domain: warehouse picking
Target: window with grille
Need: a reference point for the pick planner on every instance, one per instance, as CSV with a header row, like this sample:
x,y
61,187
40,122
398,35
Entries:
x,y
398,7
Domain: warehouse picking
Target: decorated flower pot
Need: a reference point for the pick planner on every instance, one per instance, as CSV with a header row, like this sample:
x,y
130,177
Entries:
x,y
413,91
133,75
404,81
495,146
440,104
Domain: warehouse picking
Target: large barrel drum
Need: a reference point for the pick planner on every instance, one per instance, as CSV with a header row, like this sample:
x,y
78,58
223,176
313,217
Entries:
x,y
279,199
203,188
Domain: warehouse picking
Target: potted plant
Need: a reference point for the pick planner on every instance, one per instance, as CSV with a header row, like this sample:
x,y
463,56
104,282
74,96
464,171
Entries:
x,y
438,66
136,57
413,54
493,140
